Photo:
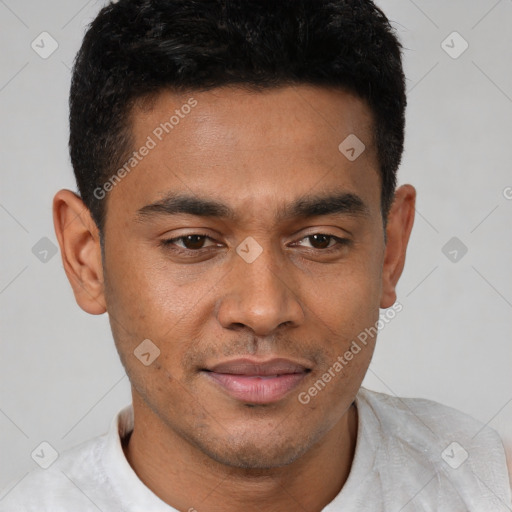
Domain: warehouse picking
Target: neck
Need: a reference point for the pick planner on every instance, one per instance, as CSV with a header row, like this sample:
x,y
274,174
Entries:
x,y
186,479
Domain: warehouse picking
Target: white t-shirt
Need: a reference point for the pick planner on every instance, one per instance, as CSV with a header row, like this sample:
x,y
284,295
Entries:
x,y
411,455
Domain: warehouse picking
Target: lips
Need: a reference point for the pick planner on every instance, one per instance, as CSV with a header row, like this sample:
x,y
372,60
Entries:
x,y
257,382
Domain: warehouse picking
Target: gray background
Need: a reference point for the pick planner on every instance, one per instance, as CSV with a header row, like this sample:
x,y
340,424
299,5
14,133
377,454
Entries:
x,y
61,380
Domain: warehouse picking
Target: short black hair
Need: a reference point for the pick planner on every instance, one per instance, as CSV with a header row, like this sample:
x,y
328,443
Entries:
x,y
136,48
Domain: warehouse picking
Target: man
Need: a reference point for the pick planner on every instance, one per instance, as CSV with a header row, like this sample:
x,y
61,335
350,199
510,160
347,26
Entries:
x,y
239,222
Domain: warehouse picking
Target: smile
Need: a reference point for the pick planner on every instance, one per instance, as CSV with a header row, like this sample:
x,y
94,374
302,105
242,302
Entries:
x,y
255,382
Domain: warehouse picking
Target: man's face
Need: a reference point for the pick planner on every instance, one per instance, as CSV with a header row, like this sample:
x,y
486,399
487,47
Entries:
x,y
257,284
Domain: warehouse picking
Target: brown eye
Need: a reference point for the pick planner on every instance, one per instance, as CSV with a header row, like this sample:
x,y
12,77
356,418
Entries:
x,y
322,241
193,242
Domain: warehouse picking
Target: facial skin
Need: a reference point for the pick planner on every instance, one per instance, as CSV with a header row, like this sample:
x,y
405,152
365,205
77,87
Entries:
x,y
258,153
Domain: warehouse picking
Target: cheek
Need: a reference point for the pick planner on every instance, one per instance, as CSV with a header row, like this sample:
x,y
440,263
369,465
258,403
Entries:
x,y
150,294
347,300
151,300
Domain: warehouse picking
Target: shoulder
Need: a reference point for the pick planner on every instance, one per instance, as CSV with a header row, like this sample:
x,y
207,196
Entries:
x,y
463,455
65,485
419,415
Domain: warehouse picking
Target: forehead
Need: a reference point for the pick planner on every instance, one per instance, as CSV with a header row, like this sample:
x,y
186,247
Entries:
x,y
279,117
245,147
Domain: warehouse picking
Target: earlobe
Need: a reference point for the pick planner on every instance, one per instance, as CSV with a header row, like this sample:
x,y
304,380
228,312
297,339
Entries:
x,y
398,230
79,241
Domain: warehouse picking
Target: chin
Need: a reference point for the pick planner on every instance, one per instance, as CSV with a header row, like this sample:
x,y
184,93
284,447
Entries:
x,y
257,457
255,452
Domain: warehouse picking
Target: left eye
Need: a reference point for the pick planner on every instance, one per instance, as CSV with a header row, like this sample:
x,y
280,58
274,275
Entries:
x,y
322,241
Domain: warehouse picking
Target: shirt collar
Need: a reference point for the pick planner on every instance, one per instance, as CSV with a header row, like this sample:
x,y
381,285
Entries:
x,y
131,491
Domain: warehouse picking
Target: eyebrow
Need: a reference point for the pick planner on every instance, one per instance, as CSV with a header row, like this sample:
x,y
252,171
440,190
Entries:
x,y
345,203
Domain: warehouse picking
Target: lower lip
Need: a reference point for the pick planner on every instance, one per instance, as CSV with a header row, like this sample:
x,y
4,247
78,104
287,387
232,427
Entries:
x,y
257,390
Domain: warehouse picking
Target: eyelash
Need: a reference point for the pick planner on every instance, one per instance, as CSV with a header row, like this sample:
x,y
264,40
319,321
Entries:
x,y
168,244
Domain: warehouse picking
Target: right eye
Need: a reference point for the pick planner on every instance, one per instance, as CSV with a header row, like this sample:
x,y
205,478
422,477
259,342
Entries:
x,y
187,243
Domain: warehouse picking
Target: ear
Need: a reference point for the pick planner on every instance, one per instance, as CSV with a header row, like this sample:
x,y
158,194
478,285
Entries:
x,y
398,230
79,241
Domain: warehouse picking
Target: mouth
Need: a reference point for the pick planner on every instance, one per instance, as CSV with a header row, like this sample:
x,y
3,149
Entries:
x,y
257,382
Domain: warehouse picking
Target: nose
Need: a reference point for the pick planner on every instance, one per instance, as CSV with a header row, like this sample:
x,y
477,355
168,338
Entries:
x,y
260,295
